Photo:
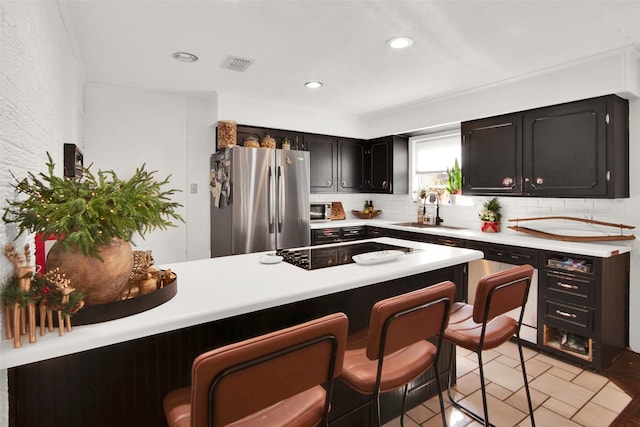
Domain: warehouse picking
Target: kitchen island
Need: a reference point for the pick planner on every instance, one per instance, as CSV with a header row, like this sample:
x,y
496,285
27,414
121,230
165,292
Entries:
x,y
117,372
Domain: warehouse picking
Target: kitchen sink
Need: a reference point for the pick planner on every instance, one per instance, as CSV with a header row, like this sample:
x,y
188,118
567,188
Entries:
x,y
418,225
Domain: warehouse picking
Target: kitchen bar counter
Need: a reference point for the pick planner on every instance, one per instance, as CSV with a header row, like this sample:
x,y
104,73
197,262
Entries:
x,y
219,288
505,237
117,372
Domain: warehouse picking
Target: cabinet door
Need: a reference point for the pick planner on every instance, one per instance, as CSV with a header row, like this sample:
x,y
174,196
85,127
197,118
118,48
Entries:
x,y
380,153
492,155
323,155
351,165
565,150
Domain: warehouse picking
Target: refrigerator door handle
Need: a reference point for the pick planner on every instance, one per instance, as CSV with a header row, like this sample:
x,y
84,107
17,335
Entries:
x,y
270,202
280,198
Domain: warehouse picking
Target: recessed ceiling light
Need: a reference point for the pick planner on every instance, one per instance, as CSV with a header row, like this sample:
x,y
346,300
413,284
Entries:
x,y
313,85
184,57
400,42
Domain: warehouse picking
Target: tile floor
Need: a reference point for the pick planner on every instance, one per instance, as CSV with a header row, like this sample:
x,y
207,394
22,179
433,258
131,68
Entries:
x,y
562,394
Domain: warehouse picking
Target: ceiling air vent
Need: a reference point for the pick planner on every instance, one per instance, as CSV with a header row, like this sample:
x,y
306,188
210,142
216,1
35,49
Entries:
x,y
235,63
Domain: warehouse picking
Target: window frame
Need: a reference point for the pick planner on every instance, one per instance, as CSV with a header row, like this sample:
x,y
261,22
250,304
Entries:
x,y
449,132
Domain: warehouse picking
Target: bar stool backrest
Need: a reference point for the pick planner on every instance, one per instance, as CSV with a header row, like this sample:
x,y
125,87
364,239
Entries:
x,y
501,292
240,379
410,317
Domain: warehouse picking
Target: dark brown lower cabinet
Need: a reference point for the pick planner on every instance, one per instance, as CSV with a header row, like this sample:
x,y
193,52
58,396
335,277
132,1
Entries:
x,y
124,384
583,308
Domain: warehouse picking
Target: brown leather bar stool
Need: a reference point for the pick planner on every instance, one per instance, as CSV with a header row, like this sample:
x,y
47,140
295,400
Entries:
x,y
484,325
275,379
393,350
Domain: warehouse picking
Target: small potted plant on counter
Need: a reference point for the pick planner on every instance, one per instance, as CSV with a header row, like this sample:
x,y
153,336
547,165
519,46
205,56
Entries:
x,y
490,216
454,181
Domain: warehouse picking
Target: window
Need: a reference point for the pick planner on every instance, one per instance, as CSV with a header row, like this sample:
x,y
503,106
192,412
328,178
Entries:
x,y
431,155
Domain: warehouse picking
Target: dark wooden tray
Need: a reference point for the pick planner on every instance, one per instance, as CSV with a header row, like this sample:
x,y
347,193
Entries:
x,y
115,310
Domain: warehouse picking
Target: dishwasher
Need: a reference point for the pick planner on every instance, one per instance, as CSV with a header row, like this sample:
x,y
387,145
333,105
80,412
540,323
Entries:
x,y
500,258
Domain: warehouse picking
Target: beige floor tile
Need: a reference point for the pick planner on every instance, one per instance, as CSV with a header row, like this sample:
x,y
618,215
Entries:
x,y
547,418
419,414
559,363
461,351
560,407
510,349
519,399
503,375
592,415
489,355
497,391
561,373
613,385
562,390
468,383
563,395
455,418
464,365
500,413
433,404
611,399
408,422
590,380
535,367
506,360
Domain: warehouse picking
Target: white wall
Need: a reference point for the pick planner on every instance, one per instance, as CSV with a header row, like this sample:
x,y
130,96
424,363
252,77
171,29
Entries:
x,y
612,72
171,134
280,116
201,113
40,99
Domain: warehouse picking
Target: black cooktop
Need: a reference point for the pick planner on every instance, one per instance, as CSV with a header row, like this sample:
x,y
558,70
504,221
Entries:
x,y
330,256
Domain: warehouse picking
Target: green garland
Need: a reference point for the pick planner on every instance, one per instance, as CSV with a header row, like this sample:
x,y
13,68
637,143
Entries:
x,y
40,290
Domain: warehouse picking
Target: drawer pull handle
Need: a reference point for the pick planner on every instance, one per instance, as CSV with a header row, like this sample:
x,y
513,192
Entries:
x,y
567,286
565,314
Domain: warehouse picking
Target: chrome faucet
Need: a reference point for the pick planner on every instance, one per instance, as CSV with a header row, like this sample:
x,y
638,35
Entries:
x,y
433,197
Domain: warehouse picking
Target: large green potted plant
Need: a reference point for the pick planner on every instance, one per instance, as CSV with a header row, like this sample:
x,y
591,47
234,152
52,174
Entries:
x,y
93,218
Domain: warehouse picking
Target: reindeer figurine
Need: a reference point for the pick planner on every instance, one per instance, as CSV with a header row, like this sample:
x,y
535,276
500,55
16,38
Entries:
x,y
24,273
62,285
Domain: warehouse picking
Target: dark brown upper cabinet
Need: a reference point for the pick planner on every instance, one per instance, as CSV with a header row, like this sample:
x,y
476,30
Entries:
x,y
323,162
491,155
351,161
576,149
387,165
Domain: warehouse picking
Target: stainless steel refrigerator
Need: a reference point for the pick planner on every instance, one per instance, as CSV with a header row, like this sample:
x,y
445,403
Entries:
x,y
259,200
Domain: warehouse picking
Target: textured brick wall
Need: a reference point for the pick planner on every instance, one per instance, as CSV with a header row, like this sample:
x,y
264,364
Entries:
x,y
38,105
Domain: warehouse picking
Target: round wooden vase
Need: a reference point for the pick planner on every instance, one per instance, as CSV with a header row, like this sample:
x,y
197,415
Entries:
x,y
100,281
490,227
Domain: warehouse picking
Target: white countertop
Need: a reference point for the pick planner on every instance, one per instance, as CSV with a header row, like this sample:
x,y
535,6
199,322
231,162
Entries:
x,y
218,288
505,237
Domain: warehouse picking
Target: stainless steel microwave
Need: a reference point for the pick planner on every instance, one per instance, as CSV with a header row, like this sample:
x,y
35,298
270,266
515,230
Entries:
x,y
320,212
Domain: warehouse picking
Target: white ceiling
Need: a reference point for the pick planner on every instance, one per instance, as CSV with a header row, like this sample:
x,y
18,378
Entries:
x,y
458,45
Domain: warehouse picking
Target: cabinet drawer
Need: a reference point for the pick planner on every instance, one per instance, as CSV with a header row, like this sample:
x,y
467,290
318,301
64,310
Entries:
x,y
353,233
506,254
572,318
376,232
569,288
325,235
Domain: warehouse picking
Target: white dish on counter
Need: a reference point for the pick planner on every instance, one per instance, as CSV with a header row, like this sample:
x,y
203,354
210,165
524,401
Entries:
x,y
270,259
377,257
